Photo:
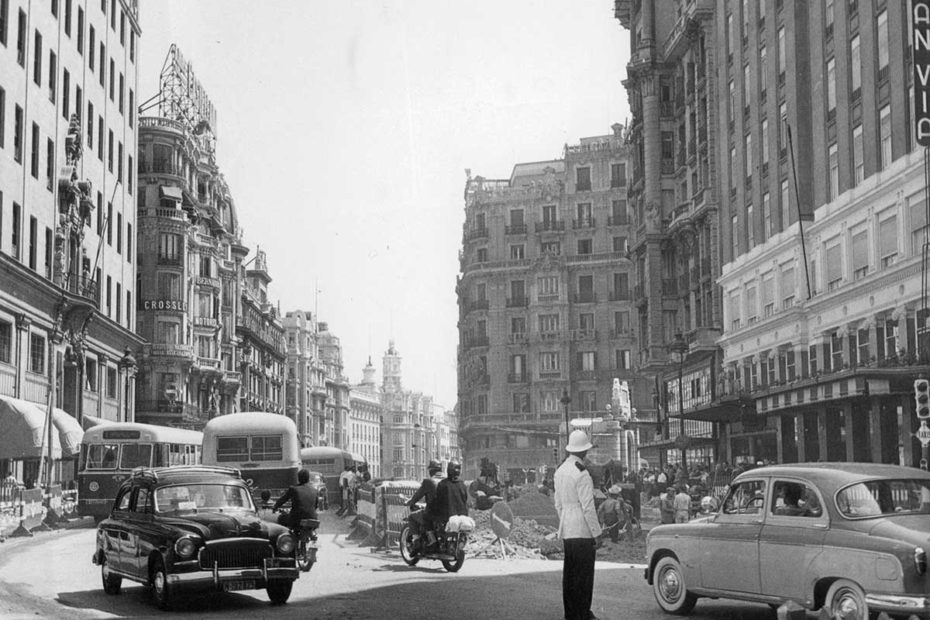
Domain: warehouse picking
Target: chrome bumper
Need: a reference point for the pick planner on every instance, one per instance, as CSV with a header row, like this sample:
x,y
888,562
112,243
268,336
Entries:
x,y
899,603
272,569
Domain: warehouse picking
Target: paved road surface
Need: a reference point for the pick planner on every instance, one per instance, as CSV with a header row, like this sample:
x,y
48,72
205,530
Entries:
x,y
51,576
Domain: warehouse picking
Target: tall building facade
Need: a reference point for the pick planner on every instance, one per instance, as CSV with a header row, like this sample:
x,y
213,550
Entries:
x,y
189,267
366,413
303,392
546,303
333,423
824,315
804,112
67,222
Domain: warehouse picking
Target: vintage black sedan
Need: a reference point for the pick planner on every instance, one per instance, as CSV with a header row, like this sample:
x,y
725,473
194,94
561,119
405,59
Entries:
x,y
849,536
189,528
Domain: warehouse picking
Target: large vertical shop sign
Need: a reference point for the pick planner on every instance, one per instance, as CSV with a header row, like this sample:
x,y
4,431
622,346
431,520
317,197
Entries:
x,y
921,19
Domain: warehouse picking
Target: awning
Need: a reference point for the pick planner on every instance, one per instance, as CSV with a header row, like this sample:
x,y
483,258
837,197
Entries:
x,y
69,431
24,432
90,421
169,191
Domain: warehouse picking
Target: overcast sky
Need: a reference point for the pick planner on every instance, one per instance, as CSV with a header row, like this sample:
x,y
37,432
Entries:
x,y
344,129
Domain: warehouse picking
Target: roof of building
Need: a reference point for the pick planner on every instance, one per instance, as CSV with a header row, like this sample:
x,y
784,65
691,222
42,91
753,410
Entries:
x,y
524,173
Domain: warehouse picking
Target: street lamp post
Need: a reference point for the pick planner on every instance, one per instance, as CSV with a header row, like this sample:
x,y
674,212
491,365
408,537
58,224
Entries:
x,y
680,348
128,365
566,401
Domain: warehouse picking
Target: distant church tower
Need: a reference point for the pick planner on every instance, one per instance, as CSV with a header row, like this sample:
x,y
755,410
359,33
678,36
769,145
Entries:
x,y
368,377
391,371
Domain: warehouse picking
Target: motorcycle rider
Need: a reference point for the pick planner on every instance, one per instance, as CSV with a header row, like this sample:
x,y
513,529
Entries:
x,y
302,497
422,520
451,495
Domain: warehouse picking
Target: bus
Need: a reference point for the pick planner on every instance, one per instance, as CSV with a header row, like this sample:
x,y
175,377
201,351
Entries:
x,y
109,453
330,462
262,446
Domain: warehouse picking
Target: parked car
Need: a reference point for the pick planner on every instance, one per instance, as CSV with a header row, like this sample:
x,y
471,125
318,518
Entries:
x,y
850,536
189,528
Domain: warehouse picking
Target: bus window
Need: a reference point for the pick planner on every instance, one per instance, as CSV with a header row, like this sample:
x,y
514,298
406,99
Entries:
x,y
136,455
231,449
267,448
102,456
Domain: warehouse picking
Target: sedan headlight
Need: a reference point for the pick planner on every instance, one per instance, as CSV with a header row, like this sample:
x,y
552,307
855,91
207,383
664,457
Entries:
x,y
185,548
920,560
285,544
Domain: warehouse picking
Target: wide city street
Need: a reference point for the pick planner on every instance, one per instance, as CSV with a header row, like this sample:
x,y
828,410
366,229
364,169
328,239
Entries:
x,y
51,576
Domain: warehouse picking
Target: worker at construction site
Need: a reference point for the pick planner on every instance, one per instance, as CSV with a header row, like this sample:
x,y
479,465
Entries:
x,y
610,513
578,528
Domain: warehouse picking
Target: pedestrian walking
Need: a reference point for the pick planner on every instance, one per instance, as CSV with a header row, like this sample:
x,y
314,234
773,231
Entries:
x,y
578,528
682,505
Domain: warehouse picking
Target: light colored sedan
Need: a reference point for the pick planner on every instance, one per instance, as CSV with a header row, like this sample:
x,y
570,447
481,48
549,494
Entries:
x,y
849,536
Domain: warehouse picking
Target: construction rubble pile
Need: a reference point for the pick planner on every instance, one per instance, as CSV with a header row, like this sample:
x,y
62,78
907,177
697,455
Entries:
x,y
532,536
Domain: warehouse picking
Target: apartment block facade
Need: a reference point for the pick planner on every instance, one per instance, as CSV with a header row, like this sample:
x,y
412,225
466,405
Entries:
x,y
546,301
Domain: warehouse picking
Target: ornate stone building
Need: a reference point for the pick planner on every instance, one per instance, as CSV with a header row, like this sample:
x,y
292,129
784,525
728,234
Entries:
x,y
67,216
546,304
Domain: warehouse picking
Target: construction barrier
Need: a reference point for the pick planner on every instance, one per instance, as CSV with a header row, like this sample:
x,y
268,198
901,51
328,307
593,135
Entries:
x,y
366,508
390,499
28,510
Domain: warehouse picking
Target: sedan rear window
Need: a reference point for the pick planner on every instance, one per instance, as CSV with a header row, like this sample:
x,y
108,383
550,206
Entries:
x,y
883,497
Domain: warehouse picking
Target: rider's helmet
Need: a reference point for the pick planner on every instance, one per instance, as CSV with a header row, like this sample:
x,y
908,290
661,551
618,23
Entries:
x,y
453,470
303,476
433,466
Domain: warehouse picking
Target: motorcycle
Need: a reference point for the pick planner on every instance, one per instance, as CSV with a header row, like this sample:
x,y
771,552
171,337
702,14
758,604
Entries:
x,y
305,535
447,546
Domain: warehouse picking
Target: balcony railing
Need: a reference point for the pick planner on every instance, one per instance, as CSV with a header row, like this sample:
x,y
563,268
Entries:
x,y
584,298
517,338
585,375
620,333
478,304
584,222
621,295
83,286
518,302
515,229
476,233
621,220
476,341
517,377
170,350
551,225
584,334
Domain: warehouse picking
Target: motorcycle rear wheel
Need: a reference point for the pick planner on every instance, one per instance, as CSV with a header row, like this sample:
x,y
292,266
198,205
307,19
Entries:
x,y
303,561
408,550
453,566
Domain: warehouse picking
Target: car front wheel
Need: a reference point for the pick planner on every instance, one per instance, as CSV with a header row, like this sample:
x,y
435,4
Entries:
x,y
158,577
846,600
111,581
669,588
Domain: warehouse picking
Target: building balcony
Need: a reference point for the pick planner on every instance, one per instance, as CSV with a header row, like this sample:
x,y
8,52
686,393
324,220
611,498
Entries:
x,y
618,221
515,229
584,298
521,377
584,375
584,334
479,304
476,233
170,261
476,341
518,302
208,364
584,222
162,405
550,226
622,295
550,374
517,338
550,336
83,286
621,333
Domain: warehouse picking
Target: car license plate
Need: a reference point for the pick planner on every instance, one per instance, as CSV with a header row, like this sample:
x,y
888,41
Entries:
x,y
239,584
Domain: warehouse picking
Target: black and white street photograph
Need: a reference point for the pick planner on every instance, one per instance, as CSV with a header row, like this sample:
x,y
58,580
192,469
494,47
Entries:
x,y
499,309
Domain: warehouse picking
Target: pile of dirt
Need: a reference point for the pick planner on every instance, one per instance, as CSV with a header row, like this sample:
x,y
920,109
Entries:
x,y
536,507
524,539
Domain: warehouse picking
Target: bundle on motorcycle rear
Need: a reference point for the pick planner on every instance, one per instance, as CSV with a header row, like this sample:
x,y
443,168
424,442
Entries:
x,y
460,523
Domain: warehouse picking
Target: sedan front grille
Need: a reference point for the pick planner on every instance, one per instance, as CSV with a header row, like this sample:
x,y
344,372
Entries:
x,y
235,553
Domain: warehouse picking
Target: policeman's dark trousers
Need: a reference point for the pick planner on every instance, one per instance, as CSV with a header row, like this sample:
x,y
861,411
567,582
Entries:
x,y
578,577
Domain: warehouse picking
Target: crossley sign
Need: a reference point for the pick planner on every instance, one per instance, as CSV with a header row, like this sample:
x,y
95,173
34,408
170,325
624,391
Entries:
x,y
921,15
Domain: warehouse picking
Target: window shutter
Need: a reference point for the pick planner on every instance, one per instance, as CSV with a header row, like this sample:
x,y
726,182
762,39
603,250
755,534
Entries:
x,y
860,250
888,237
788,285
834,266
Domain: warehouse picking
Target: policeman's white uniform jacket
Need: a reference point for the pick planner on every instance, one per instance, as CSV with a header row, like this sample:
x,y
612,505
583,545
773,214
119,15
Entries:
x,y
574,500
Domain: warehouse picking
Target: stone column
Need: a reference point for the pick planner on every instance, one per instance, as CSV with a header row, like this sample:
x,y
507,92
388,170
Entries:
x,y
799,425
848,425
875,429
779,439
23,323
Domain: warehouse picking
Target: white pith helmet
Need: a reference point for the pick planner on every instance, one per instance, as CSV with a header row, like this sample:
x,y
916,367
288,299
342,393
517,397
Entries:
x,y
578,442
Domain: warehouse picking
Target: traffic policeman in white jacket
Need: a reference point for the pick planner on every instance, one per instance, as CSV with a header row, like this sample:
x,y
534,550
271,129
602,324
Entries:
x,y
578,528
